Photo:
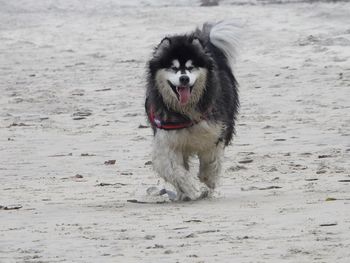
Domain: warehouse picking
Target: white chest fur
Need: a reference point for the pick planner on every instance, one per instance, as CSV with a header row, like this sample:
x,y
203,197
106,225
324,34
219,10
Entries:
x,y
198,138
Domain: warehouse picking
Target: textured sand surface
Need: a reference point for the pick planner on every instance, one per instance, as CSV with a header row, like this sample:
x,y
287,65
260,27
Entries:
x,y
72,92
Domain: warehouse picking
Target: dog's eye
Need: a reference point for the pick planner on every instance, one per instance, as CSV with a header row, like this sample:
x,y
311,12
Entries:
x,y
190,68
174,68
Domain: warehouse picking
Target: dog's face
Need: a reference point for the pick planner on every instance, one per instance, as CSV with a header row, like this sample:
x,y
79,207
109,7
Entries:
x,y
180,72
182,82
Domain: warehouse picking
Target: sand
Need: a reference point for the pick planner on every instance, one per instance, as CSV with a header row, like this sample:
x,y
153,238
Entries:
x,y
72,81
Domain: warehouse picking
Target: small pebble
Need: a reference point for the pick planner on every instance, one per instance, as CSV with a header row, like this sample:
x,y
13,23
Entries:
x,y
324,156
246,161
149,237
110,162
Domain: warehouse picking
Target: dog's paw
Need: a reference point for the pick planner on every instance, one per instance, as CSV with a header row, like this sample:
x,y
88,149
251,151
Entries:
x,y
182,197
187,192
204,192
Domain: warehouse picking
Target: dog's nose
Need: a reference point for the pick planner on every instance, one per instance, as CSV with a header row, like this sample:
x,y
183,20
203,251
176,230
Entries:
x,y
184,80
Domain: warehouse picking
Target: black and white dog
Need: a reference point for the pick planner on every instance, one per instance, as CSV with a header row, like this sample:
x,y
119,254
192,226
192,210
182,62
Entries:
x,y
192,103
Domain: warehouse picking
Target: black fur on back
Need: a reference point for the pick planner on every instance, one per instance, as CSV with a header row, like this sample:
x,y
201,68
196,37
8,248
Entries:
x,y
220,100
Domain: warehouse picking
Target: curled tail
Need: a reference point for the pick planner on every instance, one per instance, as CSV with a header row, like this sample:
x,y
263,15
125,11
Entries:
x,y
224,35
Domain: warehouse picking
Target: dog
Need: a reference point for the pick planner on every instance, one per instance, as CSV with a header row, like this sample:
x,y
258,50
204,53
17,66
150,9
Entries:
x,y
192,104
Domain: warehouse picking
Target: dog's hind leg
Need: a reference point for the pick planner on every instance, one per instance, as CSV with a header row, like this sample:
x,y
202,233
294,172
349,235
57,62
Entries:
x,y
210,165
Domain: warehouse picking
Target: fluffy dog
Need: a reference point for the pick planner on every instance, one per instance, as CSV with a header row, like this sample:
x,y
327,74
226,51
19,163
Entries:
x,y
191,104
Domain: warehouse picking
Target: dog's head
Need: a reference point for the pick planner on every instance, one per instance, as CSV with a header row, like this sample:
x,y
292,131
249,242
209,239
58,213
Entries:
x,y
179,70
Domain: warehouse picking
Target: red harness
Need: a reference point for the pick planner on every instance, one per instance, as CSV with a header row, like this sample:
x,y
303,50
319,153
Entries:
x,y
174,124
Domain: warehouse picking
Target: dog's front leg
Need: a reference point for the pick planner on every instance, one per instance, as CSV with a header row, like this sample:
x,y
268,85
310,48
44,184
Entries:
x,y
169,164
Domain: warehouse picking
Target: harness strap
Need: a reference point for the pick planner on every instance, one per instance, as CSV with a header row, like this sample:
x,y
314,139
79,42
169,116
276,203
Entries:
x,y
168,125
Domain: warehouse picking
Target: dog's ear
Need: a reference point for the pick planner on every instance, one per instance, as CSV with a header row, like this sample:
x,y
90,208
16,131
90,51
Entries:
x,y
197,43
165,43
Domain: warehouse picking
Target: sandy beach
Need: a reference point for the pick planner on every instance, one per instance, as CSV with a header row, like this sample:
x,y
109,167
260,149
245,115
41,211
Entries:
x,y
75,146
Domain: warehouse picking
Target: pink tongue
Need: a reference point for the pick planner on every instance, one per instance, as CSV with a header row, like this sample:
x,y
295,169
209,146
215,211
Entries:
x,y
184,93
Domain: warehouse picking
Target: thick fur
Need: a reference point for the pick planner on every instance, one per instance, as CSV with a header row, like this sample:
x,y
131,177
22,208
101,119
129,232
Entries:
x,y
205,58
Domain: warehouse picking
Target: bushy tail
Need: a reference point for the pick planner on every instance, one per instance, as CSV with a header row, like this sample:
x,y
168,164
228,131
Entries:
x,y
225,36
